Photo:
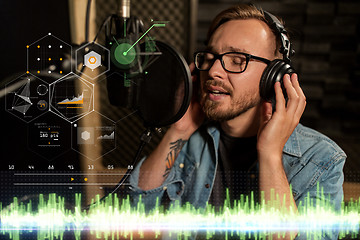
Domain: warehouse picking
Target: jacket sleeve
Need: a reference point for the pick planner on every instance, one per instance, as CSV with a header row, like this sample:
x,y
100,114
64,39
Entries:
x,y
169,191
326,193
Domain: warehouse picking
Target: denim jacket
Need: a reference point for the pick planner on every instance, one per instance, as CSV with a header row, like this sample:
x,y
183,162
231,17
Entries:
x,y
309,158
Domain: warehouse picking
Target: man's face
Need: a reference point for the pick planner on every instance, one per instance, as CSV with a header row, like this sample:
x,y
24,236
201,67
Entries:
x,y
226,95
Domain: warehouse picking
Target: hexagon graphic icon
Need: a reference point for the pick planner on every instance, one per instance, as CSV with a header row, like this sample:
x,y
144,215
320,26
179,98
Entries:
x,y
99,135
92,56
46,58
85,135
49,136
27,97
92,60
71,97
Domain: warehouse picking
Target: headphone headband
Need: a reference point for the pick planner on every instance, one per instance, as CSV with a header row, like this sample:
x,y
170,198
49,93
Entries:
x,y
275,24
276,70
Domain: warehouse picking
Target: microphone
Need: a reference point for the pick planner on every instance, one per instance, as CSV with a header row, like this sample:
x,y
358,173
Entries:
x,y
146,75
126,64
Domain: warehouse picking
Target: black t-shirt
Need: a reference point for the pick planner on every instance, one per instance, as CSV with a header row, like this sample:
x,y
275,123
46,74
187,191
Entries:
x,y
237,169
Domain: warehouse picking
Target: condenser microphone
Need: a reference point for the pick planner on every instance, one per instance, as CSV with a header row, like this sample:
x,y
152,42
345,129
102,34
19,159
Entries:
x,y
121,35
146,75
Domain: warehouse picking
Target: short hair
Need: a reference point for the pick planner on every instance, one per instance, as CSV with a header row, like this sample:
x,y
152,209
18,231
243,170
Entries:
x,y
243,11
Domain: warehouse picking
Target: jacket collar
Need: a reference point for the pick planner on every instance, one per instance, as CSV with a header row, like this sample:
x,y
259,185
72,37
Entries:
x,y
292,146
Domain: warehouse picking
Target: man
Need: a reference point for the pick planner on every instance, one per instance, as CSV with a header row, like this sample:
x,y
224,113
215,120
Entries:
x,y
198,159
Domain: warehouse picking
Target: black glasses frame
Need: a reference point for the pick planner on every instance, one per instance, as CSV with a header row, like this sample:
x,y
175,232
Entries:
x,y
220,57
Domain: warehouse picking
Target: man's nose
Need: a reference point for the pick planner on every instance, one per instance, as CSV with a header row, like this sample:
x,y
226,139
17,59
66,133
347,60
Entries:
x,y
216,70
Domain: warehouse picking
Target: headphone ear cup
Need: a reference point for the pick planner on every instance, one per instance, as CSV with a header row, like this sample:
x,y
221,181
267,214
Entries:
x,y
274,72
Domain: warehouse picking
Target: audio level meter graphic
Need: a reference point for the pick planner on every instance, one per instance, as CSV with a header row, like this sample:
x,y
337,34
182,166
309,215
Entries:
x,y
116,217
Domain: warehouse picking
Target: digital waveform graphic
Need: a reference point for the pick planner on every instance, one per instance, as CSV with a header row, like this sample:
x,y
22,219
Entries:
x,y
107,137
74,100
118,218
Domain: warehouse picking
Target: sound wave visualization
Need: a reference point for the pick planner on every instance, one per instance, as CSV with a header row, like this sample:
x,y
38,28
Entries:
x,y
115,218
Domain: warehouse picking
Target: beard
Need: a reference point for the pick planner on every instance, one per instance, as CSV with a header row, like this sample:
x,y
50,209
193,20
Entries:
x,y
239,105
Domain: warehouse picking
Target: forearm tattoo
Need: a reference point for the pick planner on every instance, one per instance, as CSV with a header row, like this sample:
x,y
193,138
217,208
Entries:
x,y
175,148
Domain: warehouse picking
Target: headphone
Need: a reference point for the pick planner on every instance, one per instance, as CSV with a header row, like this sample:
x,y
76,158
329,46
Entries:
x,y
277,68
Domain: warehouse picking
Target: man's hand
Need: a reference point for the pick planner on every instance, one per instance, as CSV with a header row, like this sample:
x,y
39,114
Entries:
x,y
194,116
275,129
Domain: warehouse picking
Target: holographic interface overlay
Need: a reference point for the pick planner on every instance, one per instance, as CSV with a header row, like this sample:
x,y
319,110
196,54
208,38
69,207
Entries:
x,y
116,217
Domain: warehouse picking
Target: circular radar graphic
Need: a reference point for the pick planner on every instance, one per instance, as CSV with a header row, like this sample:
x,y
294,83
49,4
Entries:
x,y
124,54
134,53
42,105
133,57
42,89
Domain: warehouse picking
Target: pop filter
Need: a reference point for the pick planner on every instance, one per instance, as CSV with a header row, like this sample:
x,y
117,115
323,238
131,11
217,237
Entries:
x,y
165,89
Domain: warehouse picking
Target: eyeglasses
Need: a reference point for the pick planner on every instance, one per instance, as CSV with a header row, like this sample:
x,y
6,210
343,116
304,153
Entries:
x,y
234,62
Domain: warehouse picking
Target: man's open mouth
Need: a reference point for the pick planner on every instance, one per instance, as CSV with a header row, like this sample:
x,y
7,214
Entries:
x,y
217,92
